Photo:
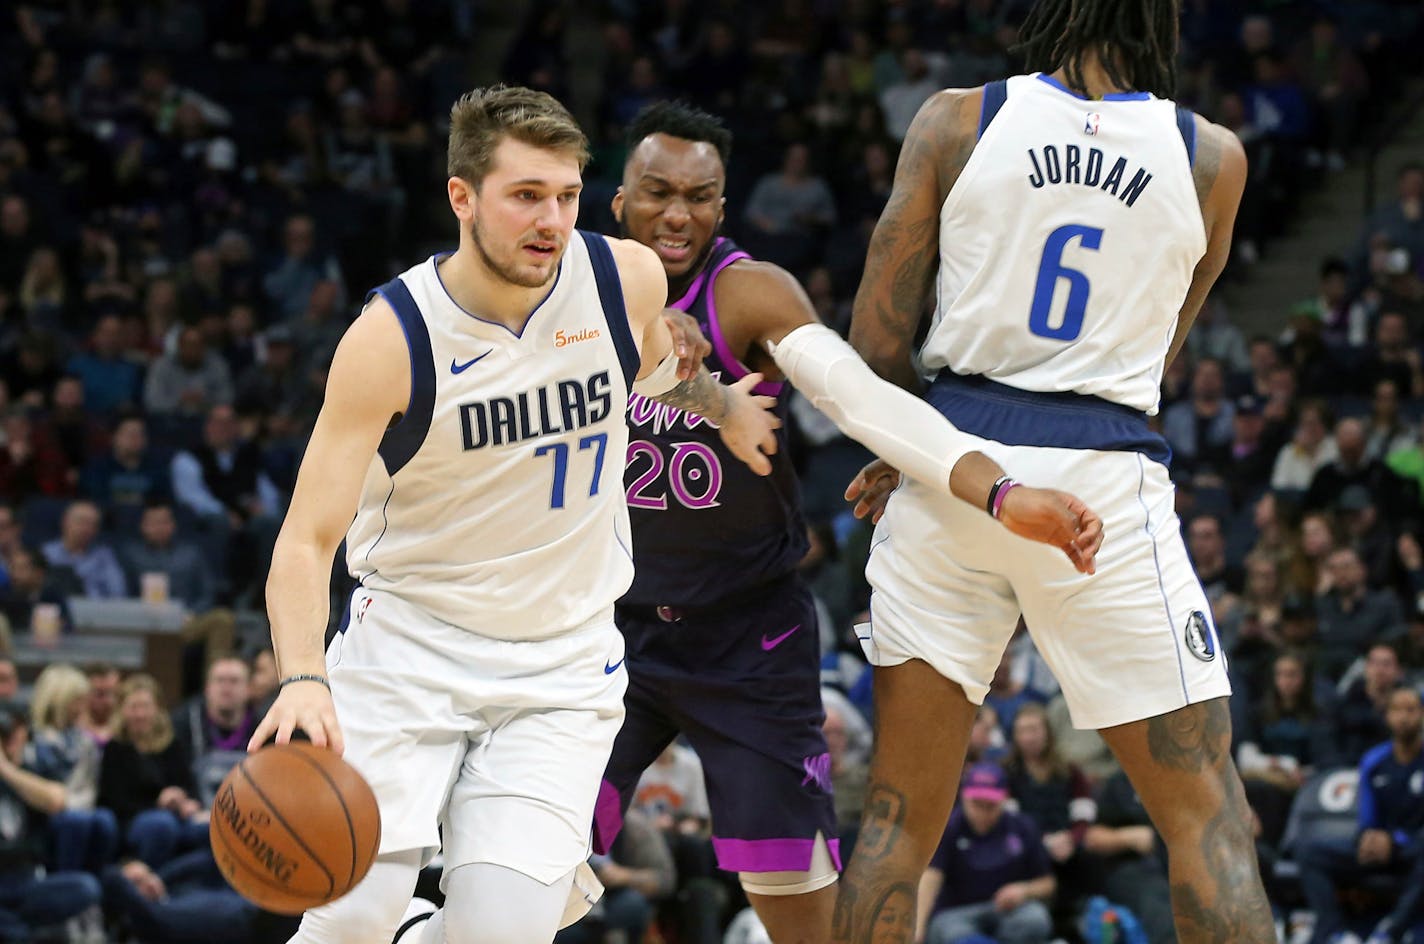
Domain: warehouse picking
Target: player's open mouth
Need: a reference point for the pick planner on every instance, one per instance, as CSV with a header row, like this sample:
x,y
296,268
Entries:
x,y
673,250
542,250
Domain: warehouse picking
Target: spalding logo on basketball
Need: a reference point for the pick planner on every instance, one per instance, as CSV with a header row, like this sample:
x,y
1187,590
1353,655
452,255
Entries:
x,y
293,827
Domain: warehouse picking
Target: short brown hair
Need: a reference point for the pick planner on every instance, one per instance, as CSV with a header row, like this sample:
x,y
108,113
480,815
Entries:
x,y
481,118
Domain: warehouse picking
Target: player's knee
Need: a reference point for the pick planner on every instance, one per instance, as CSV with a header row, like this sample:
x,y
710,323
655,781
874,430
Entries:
x,y
818,875
371,912
492,904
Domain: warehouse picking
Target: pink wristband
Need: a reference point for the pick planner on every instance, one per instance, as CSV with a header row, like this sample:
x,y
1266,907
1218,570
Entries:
x,y
999,496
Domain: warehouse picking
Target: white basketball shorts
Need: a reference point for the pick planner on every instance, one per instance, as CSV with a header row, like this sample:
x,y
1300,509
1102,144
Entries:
x,y
1133,641
496,746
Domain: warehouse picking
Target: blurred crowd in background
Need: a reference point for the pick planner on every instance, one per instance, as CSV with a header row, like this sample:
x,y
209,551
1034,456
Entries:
x,y
195,196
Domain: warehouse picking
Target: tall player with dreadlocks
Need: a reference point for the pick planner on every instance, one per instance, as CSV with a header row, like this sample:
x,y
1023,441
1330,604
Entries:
x,y
1071,222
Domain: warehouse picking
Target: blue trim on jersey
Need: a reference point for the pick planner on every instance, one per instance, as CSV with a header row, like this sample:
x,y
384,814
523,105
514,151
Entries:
x,y
1064,420
400,442
995,94
1109,97
1187,124
435,264
610,294
1161,582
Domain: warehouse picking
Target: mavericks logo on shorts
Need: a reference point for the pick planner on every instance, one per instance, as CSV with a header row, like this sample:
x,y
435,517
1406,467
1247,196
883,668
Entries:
x,y
1199,637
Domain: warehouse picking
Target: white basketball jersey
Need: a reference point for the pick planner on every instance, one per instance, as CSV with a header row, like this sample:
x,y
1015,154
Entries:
x,y
496,503
1067,245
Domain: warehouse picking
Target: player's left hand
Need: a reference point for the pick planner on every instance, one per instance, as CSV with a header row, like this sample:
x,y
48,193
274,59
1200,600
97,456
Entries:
x,y
1052,517
688,342
749,428
871,488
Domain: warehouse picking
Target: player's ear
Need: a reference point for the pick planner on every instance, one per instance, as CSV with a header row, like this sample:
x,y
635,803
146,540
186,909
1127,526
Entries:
x,y
721,211
618,204
461,193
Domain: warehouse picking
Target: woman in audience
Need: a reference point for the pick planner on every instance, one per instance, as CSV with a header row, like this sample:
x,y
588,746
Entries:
x,y
85,838
146,778
1281,742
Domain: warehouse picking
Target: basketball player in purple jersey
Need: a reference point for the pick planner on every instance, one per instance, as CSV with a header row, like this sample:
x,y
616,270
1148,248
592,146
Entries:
x,y
721,635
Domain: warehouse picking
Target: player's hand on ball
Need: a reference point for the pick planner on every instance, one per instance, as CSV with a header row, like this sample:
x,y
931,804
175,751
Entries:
x,y
871,488
306,705
688,341
1053,517
749,429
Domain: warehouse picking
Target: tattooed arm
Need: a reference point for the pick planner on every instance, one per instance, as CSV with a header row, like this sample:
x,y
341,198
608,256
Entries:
x,y
743,418
904,251
1220,176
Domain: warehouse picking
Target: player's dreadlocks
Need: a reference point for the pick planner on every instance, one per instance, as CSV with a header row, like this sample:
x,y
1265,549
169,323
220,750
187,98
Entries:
x,y
1136,41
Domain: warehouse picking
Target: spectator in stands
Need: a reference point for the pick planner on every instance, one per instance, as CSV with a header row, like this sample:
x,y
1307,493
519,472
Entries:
x,y
789,211
1360,714
1215,337
84,837
30,462
111,380
130,476
1263,360
29,897
146,778
1391,837
158,550
1401,221
1394,356
1344,321
1053,793
1408,463
31,369
9,538
1351,616
262,678
1199,429
1250,632
1351,466
1310,448
189,382
1282,742
1246,463
1388,432
289,285
1007,694
987,741
185,900
1367,531
319,329
990,874
217,725
1123,848
850,775
33,583
73,428
1206,545
1319,538
276,383
79,549
101,708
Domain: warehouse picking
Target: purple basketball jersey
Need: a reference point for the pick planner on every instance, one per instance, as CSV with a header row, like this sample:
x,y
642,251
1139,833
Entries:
x,y
704,525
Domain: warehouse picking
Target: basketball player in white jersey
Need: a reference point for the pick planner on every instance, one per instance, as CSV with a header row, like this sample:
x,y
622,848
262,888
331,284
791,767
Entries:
x,y
473,424
1071,222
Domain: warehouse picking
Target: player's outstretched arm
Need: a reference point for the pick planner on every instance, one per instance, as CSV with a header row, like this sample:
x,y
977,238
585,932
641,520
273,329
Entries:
x,y
744,419
1220,175
368,385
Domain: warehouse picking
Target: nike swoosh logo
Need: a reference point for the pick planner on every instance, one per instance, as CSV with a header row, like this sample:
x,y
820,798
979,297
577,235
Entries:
x,y
770,643
457,368
610,669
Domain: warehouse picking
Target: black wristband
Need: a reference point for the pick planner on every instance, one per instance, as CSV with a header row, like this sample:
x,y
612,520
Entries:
x,y
305,678
994,493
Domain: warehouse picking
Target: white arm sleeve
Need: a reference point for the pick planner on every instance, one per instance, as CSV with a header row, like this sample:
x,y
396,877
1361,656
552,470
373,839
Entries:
x,y
897,426
661,380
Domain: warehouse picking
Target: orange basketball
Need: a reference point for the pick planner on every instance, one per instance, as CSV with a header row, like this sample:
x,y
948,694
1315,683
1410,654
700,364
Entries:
x,y
294,826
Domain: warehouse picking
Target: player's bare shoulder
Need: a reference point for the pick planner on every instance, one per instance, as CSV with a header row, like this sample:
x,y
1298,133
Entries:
x,y
943,135
644,282
1219,157
372,364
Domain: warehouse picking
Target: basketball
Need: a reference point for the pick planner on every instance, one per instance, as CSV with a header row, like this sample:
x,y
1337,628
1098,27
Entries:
x,y
293,827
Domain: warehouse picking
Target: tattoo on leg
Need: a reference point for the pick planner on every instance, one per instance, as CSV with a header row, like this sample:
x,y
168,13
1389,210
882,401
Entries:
x,y
843,923
893,919
1191,737
881,824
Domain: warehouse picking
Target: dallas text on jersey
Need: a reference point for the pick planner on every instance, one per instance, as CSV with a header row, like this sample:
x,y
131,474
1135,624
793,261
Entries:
x,y
554,408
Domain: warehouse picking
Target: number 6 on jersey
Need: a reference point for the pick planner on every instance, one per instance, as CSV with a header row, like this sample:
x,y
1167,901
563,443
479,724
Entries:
x,y
1050,270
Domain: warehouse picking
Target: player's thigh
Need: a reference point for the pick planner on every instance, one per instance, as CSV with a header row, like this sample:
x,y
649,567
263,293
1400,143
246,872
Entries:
x,y
1135,639
937,570
526,791
392,697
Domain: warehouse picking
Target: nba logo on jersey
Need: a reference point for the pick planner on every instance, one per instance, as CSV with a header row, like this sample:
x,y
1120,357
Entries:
x,y
1090,125
361,610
